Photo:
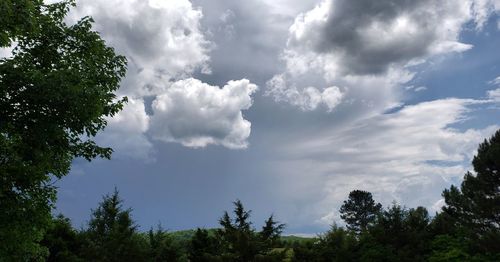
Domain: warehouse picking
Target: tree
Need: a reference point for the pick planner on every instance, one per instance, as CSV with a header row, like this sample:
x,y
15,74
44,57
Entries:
x,y
18,18
240,241
399,234
162,246
55,93
112,234
238,235
476,205
62,241
203,246
337,244
271,232
359,210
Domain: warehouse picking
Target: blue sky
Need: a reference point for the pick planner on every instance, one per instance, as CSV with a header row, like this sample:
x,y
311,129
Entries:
x,y
289,105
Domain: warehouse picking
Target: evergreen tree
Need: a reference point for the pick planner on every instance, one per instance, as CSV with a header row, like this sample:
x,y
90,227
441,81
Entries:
x,y
476,205
359,210
337,244
399,234
271,232
238,236
162,246
240,242
112,234
203,247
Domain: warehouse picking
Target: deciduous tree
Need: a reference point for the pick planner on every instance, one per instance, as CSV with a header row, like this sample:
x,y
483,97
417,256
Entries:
x,y
55,93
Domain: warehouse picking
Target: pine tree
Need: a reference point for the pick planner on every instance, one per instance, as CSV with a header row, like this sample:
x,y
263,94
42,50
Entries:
x,y
359,210
162,246
203,246
476,205
238,235
112,234
271,232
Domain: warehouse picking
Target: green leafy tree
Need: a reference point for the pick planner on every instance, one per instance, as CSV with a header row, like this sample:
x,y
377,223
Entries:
x,y
19,17
112,234
476,205
359,210
55,93
63,242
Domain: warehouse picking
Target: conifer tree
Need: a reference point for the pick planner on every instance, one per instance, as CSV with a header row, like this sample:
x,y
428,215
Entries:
x,y
112,234
271,232
476,204
359,210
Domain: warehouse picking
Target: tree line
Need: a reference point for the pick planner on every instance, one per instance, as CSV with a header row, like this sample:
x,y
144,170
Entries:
x,y
467,229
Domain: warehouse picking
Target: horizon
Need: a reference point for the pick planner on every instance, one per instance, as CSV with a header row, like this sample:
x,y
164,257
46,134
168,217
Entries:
x,y
281,104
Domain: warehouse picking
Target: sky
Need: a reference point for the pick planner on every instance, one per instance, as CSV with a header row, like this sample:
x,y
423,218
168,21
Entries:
x,y
289,105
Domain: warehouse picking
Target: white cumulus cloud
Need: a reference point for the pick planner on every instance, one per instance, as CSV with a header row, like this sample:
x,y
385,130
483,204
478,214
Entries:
x,y
162,40
125,132
197,114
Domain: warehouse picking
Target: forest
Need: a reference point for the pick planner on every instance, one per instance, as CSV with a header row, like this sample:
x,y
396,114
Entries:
x,y
467,229
56,92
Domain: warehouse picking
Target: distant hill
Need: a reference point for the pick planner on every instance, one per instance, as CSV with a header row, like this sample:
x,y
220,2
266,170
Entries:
x,y
186,235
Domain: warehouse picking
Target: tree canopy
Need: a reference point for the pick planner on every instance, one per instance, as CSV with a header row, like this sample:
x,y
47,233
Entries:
x,y
475,206
55,92
359,210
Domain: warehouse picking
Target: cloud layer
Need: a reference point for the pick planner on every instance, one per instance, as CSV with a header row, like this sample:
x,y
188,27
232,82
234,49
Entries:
x,y
409,156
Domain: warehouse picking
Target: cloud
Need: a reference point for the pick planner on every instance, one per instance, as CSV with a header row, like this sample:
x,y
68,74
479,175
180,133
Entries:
x,y
196,114
162,40
308,98
6,52
345,43
165,46
409,155
482,10
495,81
125,132
366,37
494,94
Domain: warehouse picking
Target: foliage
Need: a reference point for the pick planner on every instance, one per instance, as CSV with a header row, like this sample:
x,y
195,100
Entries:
x,y
19,17
55,93
112,234
240,241
396,233
359,210
63,242
475,207
203,246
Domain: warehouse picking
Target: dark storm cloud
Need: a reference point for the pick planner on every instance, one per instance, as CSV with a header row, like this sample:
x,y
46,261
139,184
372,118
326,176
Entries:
x,y
370,36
